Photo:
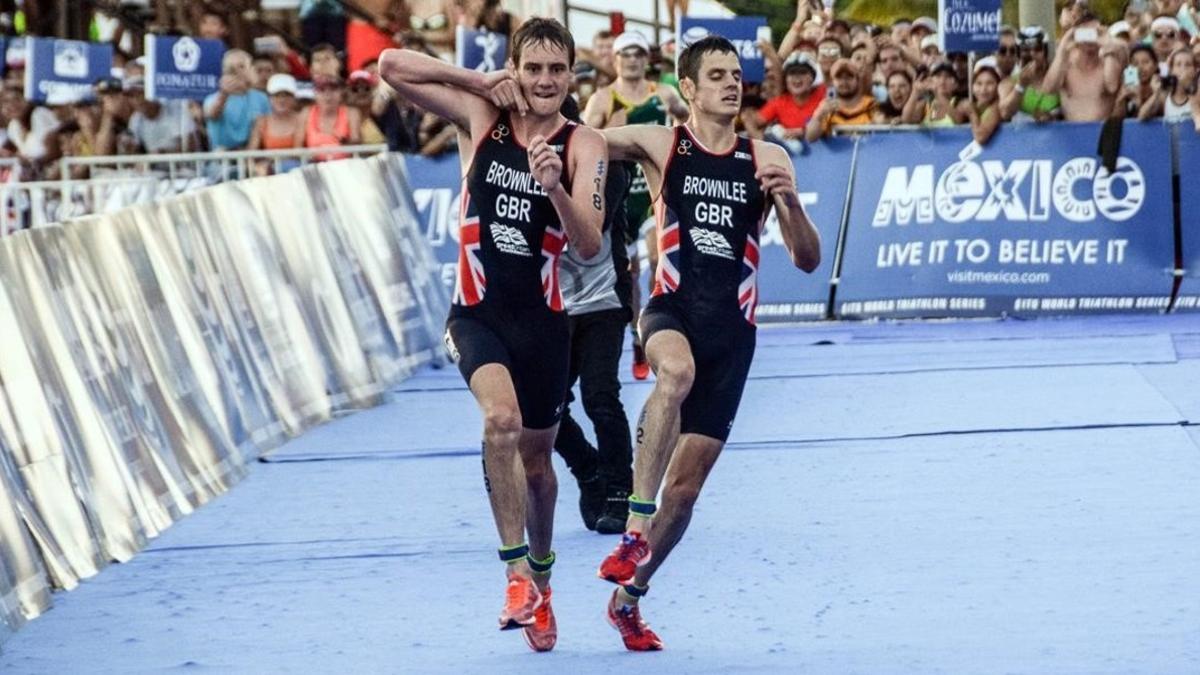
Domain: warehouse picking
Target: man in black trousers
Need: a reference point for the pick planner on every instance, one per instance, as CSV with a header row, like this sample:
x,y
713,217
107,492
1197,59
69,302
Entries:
x,y
596,293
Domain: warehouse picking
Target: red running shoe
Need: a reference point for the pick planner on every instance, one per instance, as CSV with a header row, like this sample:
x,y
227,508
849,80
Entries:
x,y
620,565
543,634
636,635
521,601
641,367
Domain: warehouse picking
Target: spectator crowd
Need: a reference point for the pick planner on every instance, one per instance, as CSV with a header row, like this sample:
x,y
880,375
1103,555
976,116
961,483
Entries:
x,y
825,73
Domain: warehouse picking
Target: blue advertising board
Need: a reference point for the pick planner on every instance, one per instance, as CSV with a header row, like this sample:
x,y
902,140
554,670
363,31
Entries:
x,y
1032,224
182,67
743,31
969,25
64,71
437,189
1189,209
481,50
823,180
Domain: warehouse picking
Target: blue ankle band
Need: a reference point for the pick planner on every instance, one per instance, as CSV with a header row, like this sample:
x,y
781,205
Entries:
x,y
511,554
640,507
541,566
636,591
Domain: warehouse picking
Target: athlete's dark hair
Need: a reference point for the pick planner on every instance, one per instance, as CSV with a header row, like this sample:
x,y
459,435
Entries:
x,y
689,60
538,30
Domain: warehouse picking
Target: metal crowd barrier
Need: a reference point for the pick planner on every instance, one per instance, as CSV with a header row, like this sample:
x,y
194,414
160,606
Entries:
x,y
151,354
219,166
37,203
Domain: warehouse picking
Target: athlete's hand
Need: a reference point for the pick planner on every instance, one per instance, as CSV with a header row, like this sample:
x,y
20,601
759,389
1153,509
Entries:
x,y
776,181
504,91
544,163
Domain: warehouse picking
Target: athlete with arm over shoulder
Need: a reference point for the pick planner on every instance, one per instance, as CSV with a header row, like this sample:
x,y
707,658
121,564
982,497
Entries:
x,y
713,192
531,181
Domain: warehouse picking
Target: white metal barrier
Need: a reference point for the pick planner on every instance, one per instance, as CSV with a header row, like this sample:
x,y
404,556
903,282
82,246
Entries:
x,y
218,166
38,203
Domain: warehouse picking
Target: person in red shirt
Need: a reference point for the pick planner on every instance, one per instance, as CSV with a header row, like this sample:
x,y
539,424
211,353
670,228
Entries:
x,y
786,116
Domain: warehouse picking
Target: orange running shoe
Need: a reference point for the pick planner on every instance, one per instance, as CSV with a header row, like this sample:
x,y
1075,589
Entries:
x,y
521,601
627,619
620,565
543,634
641,367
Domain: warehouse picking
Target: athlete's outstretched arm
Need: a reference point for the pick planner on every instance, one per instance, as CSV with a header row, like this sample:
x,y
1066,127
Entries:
x,y
438,87
799,235
625,142
581,210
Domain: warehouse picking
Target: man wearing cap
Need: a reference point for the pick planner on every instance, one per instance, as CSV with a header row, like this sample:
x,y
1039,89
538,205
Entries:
x,y
849,106
788,114
631,99
922,28
1086,71
1031,102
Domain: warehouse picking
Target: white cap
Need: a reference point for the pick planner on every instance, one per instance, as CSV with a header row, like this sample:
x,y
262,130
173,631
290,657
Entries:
x,y
987,62
1165,22
929,41
631,38
800,58
1118,28
924,22
281,83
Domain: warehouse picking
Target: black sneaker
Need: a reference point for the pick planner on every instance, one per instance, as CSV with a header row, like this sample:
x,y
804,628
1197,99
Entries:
x,y
616,512
591,500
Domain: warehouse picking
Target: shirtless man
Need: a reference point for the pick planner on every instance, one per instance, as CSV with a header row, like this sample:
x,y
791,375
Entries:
x,y
1087,71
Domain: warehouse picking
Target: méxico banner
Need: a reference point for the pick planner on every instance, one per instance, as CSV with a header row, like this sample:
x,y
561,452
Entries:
x,y
1189,209
1031,224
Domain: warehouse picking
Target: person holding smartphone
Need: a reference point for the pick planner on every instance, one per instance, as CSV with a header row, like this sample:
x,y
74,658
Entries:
x,y
1138,82
1174,98
1086,71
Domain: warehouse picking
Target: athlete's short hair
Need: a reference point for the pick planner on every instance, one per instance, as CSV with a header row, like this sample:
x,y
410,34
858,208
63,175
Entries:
x,y
689,60
538,30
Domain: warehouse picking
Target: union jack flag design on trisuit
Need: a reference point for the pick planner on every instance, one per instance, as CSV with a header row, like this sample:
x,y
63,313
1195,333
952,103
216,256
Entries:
x,y
510,235
709,217
667,278
471,282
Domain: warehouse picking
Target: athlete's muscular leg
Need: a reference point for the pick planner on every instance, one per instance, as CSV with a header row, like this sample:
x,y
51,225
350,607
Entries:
x,y
542,491
493,389
670,356
691,463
